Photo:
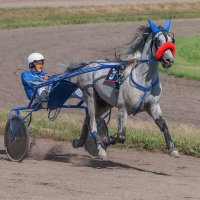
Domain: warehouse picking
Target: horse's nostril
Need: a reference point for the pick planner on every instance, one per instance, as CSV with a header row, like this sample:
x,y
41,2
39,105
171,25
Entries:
x,y
169,61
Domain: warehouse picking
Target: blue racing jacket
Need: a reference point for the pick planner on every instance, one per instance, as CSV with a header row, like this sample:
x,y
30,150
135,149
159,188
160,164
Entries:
x,y
30,79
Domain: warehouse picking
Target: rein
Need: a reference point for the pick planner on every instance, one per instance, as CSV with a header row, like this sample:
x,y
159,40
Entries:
x,y
147,61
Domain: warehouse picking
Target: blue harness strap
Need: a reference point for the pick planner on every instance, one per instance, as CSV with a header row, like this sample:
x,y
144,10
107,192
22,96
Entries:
x,y
141,87
148,60
145,89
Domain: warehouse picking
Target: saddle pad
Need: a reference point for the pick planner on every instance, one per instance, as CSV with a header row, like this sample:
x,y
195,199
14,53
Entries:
x,y
112,76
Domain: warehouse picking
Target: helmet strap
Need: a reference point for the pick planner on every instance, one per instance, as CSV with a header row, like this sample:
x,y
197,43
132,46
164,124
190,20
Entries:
x,y
31,66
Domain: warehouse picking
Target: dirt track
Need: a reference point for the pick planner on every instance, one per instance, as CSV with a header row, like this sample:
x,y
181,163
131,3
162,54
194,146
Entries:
x,y
67,3
127,175
69,174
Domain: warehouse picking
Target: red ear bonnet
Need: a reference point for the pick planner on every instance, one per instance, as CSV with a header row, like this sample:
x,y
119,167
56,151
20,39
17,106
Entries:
x,y
164,47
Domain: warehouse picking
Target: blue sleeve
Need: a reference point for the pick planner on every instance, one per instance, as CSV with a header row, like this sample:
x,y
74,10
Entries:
x,y
45,73
29,87
27,80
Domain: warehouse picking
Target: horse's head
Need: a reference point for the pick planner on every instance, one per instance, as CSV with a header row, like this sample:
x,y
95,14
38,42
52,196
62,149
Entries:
x,y
163,47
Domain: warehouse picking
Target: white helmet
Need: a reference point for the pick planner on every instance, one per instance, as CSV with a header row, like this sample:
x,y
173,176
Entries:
x,y
35,57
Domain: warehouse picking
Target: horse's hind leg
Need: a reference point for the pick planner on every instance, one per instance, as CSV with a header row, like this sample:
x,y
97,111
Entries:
x,y
90,99
84,134
101,108
155,112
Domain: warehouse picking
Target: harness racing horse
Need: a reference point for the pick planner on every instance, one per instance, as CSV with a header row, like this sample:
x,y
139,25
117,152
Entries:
x,y
140,90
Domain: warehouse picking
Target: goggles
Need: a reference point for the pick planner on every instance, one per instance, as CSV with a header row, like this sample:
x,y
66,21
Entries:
x,y
38,63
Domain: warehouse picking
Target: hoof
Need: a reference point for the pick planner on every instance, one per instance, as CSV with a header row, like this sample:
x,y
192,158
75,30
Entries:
x,y
75,143
105,140
173,152
108,141
121,139
102,153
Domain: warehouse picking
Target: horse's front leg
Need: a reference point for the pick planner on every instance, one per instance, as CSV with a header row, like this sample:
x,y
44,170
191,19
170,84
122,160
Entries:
x,y
155,112
91,104
122,121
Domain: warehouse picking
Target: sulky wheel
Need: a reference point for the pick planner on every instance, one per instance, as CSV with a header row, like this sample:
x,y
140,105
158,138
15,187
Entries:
x,y
17,146
90,145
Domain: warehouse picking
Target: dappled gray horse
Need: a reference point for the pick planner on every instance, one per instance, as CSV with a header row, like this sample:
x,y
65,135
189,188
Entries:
x,y
140,90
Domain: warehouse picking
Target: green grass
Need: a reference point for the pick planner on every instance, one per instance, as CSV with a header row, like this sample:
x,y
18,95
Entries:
x,y
187,58
141,136
189,145
46,16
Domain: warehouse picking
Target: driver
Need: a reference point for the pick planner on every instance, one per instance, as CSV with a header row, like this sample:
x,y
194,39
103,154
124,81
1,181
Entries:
x,y
34,76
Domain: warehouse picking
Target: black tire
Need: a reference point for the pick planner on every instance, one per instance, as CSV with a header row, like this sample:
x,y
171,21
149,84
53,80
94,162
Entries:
x,y
16,149
90,145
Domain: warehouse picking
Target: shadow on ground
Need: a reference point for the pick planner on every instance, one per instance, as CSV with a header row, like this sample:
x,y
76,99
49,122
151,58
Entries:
x,y
80,160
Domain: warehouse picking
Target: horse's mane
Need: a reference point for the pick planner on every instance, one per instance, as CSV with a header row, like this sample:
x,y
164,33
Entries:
x,y
74,66
133,51
137,43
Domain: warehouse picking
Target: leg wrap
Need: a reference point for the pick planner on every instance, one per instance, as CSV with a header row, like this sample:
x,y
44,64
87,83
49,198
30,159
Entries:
x,y
94,134
97,138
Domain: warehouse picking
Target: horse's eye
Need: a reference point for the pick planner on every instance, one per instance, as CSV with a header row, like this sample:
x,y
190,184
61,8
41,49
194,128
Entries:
x,y
158,42
171,39
171,35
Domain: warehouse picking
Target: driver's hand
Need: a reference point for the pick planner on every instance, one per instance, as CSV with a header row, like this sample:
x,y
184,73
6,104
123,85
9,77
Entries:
x,y
45,78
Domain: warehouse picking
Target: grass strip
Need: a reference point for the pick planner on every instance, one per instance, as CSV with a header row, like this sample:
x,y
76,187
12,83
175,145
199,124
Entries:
x,y
141,136
47,16
187,58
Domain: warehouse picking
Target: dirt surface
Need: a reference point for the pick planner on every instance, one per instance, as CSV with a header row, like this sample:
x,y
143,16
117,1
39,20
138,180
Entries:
x,y
54,170
69,174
